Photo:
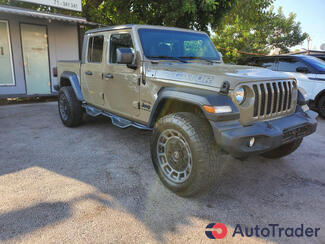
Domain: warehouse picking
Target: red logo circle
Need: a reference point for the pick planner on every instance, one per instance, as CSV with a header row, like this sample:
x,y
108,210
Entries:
x,y
220,234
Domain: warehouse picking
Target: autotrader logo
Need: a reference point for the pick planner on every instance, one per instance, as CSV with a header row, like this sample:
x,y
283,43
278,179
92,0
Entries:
x,y
216,231
219,231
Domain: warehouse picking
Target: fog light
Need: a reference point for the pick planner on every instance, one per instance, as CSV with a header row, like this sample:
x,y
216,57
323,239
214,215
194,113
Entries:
x,y
251,142
305,108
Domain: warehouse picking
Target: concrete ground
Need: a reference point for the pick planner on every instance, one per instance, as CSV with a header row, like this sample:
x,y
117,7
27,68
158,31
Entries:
x,y
96,184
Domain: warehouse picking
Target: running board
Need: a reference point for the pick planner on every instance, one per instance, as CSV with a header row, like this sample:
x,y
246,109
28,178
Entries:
x,y
116,120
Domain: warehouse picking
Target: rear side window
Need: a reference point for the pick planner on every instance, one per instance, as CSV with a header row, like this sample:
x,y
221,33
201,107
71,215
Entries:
x,y
95,49
265,62
290,64
118,41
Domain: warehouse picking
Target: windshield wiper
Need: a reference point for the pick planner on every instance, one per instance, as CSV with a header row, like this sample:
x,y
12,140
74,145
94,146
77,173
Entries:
x,y
169,57
199,58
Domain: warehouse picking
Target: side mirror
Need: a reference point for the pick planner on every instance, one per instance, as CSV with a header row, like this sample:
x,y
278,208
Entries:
x,y
124,56
302,70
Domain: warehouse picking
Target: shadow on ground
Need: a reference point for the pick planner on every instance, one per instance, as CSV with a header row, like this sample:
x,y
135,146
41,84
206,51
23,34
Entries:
x,y
288,191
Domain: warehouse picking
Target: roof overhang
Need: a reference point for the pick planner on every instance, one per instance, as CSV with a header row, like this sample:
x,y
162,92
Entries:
x,y
42,15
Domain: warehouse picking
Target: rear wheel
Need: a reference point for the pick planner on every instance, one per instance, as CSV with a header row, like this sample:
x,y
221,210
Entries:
x,y
283,150
321,106
184,153
69,107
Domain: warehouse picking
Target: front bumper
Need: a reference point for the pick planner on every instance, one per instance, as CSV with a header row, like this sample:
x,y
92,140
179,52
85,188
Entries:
x,y
234,138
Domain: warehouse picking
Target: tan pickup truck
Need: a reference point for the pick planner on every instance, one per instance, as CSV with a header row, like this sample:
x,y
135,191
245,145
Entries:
x,y
173,81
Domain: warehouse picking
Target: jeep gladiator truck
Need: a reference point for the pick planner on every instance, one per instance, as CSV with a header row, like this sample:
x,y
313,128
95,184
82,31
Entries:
x,y
172,81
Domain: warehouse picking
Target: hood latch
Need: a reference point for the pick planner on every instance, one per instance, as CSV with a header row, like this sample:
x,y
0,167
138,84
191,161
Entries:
x,y
225,87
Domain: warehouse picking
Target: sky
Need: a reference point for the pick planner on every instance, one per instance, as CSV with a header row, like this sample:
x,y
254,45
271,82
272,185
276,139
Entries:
x,y
311,15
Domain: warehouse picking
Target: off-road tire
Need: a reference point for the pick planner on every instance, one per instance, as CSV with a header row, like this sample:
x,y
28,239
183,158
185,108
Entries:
x,y
71,114
283,150
199,136
321,106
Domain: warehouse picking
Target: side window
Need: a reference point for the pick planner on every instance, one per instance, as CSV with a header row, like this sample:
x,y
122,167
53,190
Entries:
x,y
249,61
265,62
290,64
95,49
118,41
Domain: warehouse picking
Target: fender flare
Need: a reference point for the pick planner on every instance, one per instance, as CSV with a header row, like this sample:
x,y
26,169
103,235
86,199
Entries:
x,y
74,81
196,97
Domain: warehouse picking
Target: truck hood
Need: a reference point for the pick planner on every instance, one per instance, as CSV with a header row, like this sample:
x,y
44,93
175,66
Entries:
x,y
212,75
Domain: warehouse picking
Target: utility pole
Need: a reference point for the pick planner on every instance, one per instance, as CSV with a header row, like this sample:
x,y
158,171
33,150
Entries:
x,y
308,41
276,49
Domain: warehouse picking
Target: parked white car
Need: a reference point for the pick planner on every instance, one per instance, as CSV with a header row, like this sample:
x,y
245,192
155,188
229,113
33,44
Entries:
x,y
308,70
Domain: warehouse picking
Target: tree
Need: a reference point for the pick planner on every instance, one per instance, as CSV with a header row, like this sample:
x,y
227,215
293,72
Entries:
x,y
287,32
195,14
253,28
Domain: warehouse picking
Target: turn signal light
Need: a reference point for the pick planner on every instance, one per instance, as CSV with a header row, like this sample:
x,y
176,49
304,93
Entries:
x,y
217,109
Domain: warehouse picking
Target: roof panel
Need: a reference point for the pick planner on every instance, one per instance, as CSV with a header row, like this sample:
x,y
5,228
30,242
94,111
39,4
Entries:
x,y
37,14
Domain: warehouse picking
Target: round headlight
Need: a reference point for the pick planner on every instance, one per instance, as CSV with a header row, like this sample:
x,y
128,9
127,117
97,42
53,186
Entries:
x,y
240,95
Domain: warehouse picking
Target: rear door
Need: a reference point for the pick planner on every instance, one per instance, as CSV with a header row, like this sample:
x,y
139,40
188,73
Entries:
x,y
91,71
120,83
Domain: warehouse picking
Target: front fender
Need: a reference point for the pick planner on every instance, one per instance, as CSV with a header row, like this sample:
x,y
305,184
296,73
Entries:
x,y
196,97
74,81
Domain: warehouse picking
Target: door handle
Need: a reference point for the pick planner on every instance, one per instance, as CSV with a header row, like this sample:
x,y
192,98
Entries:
x,y
89,73
108,76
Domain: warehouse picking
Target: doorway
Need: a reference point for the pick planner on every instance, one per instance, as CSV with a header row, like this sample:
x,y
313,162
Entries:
x,y
36,59
6,65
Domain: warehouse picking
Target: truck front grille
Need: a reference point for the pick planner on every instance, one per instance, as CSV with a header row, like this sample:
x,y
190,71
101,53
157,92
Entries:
x,y
273,98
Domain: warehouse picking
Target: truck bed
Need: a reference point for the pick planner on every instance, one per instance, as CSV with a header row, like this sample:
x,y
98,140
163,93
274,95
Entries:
x,y
69,65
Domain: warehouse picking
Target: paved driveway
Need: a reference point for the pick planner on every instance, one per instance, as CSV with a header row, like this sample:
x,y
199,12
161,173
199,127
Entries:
x,y
96,184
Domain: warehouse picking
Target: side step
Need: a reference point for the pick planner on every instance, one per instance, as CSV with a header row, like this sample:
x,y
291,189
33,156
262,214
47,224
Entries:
x,y
116,120
93,112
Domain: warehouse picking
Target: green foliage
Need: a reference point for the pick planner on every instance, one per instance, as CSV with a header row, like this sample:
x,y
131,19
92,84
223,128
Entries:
x,y
252,27
197,14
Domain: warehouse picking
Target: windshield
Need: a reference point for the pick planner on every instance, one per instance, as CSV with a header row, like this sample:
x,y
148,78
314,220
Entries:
x,y
315,62
177,45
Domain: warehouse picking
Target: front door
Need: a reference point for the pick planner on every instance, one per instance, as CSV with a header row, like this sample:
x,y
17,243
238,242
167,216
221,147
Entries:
x,y
120,83
36,59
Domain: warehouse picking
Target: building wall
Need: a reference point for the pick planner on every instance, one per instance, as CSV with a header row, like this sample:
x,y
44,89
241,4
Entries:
x,y
63,45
